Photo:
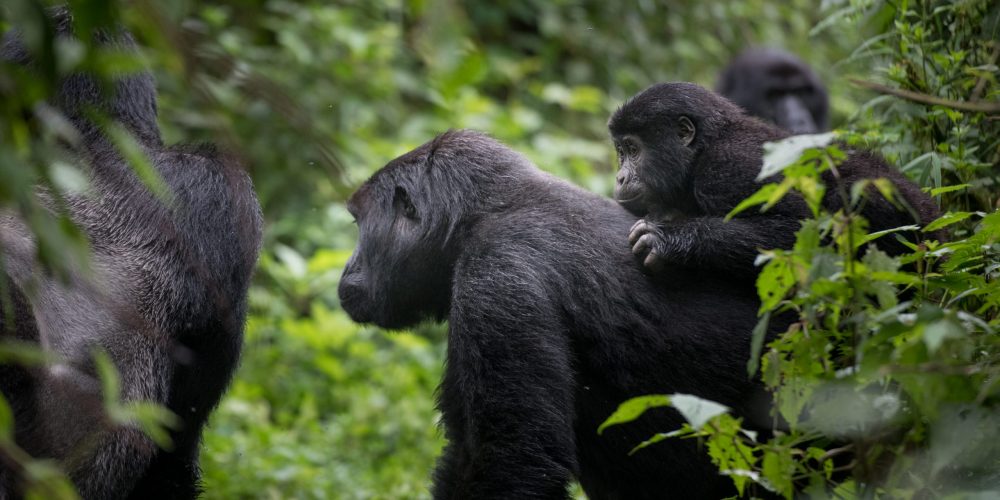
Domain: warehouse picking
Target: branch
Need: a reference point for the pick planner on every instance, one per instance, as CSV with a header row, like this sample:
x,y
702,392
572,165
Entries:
x,y
975,107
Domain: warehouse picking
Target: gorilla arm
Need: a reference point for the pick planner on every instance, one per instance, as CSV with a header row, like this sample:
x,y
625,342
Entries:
x,y
75,317
507,393
711,242
706,239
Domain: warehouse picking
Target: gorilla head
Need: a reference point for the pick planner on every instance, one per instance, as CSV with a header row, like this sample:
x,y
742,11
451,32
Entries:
x,y
409,215
776,86
659,135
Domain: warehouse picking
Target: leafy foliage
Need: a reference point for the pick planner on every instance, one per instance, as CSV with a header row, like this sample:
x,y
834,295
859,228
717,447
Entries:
x,y
899,355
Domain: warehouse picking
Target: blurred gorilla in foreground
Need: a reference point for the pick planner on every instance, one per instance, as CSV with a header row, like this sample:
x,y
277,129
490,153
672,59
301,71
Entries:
x,y
778,87
551,325
164,296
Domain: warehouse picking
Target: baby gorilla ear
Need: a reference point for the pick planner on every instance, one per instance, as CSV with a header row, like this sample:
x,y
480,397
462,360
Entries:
x,y
685,130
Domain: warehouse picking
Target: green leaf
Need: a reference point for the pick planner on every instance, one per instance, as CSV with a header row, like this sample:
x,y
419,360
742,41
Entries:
x,y
949,219
878,234
757,343
108,375
773,283
657,438
765,193
6,422
786,152
133,153
633,409
696,410
937,332
948,189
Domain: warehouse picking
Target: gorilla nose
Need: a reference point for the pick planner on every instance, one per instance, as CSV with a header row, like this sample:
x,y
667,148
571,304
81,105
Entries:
x,y
620,178
804,125
352,295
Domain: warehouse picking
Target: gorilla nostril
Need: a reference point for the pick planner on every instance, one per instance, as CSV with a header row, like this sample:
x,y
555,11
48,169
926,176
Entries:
x,y
620,178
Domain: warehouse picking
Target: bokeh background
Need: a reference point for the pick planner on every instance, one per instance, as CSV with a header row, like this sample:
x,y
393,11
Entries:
x,y
316,95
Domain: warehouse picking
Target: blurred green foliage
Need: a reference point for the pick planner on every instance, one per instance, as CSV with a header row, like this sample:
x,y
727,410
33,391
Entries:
x,y
316,95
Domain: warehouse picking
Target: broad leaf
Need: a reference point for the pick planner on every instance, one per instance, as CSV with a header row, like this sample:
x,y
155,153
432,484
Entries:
x,y
781,154
633,409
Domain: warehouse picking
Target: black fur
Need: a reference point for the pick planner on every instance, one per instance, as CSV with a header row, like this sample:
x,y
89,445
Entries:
x,y
165,297
688,156
551,326
778,87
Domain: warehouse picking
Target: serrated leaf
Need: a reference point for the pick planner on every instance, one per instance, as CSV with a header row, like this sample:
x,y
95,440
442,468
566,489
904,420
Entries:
x,y
633,409
786,152
773,283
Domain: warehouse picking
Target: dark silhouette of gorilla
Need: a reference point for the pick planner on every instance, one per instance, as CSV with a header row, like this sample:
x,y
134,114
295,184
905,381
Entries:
x,y
688,156
165,296
778,87
551,326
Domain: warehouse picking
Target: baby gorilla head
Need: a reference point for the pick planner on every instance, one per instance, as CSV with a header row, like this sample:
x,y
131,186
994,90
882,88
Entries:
x,y
658,135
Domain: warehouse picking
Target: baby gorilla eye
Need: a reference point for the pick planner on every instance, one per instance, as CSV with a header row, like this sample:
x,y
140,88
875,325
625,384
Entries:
x,y
631,148
402,200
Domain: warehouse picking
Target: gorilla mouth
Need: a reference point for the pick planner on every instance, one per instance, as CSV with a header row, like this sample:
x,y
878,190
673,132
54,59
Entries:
x,y
633,204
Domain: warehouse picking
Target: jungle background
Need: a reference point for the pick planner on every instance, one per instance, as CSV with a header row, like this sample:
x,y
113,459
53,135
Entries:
x,y
314,96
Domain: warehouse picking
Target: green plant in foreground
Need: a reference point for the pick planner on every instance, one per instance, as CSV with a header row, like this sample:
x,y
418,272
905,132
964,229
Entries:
x,y
887,383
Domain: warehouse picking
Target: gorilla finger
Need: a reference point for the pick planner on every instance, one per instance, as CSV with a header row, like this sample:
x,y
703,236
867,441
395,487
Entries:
x,y
638,230
641,246
653,261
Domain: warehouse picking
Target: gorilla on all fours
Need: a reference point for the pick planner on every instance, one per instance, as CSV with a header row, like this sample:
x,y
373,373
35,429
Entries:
x,y
688,156
552,325
777,87
164,296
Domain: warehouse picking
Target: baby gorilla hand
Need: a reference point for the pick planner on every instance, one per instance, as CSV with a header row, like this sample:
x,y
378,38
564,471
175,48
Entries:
x,y
648,238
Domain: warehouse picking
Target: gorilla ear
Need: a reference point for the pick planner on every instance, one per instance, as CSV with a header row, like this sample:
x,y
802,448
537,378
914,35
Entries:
x,y
685,130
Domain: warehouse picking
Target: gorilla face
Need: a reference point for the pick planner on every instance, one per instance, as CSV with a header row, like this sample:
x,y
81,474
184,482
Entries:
x,y
778,87
399,272
655,140
393,278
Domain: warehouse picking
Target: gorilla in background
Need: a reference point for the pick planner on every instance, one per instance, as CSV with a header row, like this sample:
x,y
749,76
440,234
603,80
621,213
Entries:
x,y
688,156
165,296
551,326
778,87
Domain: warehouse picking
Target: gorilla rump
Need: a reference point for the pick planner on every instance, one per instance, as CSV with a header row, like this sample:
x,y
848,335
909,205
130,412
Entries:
x,y
778,87
687,157
164,297
551,325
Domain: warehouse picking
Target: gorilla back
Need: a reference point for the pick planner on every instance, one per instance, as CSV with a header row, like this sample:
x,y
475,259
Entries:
x,y
551,325
164,297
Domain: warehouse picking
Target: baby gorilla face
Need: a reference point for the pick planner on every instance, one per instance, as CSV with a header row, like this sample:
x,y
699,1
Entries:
x,y
630,190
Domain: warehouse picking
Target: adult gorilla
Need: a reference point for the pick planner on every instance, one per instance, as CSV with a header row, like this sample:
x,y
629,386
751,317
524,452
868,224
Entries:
x,y
778,87
552,324
164,296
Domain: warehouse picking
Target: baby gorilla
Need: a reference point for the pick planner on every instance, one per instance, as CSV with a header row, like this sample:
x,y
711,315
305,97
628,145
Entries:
x,y
688,156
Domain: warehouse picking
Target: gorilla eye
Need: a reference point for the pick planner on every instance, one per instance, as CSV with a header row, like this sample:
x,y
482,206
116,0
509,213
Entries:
x,y
629,148
403,202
